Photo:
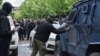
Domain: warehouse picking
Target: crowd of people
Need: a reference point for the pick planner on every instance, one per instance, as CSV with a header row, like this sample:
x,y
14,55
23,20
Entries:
x,y
43,31
26,27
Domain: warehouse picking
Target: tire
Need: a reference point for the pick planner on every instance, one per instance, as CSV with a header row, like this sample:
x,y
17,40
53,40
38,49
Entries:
x,y
95,54
15,52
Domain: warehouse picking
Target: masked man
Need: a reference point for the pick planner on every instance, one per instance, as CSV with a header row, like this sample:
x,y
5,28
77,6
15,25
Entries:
x,y
5,30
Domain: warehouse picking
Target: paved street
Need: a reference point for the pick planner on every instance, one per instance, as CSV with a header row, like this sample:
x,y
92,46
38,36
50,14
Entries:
x,y
25,50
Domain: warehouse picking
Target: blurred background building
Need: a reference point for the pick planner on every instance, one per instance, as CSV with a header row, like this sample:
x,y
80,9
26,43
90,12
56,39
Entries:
x,y
15,3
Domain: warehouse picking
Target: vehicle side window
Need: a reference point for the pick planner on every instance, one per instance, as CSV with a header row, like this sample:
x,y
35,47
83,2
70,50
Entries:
x,y
72,16
85,9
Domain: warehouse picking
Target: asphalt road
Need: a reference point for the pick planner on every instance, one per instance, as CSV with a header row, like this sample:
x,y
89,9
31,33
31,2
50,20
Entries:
x,y
25,50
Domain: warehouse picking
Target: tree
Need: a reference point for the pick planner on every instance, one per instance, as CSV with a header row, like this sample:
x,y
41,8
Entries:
x,y
43,8
0,2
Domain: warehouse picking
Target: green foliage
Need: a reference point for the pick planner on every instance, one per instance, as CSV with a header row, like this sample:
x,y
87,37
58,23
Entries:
x,y
42,8
0,3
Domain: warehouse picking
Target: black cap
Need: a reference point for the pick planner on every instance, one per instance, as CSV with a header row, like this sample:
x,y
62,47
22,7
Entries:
x,y
7,7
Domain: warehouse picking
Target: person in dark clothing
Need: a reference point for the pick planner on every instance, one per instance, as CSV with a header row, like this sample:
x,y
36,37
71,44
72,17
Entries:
x,y
24,25
42,34
31,25
5,30
20,32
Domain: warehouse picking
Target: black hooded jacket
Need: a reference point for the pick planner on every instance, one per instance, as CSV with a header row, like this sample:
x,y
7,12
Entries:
x,y
5,30
44,29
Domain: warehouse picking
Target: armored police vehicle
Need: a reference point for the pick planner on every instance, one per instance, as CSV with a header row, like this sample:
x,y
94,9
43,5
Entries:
x,y
83,38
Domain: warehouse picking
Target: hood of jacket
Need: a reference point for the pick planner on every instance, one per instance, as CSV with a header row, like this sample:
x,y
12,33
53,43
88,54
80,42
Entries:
x,y
7,7
3,13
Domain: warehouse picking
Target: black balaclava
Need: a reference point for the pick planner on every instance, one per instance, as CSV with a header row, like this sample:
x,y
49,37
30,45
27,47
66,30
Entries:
x,y
7,7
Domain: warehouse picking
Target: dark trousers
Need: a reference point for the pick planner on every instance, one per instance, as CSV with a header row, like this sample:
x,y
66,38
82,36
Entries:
x,y
21,34
4,47
38,46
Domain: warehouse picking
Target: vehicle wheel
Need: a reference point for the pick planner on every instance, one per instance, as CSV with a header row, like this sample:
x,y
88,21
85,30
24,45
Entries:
x,y
15,52
95,54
